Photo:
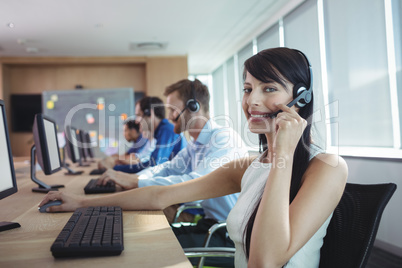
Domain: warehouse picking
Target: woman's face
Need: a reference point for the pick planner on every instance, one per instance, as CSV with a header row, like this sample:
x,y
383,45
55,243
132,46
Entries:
x,y
259,102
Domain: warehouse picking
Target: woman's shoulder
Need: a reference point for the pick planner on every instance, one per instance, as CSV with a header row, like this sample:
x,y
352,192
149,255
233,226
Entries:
x,y
330,164
327,174
328,159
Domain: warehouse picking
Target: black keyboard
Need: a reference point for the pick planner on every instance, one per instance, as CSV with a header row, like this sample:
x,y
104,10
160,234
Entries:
x,y
92,231
97,171
93,188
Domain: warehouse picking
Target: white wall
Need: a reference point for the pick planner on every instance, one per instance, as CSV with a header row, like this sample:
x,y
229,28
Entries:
x,y
372,171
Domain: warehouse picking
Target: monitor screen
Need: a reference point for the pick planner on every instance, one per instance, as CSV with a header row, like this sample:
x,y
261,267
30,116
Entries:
x,y
82,144
46,144
8,184
71,144
88,145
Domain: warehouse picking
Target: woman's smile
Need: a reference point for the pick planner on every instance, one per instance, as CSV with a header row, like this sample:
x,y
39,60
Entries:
x,y
257,116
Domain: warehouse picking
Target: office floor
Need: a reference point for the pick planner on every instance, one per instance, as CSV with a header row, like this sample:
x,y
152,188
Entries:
x,y
383,259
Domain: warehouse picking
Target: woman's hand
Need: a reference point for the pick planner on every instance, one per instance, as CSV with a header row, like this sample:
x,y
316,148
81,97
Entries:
x,y
69,202
125,180
289,129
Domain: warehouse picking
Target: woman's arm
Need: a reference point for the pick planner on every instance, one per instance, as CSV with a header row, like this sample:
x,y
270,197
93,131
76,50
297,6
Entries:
x,y
280,230
225,180
222,181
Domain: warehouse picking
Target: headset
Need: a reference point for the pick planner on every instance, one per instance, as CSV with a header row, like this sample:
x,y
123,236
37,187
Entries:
x,y
147,111
192,104
301,95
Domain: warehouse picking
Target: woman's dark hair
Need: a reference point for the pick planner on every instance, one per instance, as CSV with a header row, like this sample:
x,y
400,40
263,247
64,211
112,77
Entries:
x,y
276,65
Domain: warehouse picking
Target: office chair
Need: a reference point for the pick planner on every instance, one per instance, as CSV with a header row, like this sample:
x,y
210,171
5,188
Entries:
x,y
350,234
354,224
195,207
206,251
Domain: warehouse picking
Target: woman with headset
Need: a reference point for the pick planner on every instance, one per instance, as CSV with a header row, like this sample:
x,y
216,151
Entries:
x,y
287,193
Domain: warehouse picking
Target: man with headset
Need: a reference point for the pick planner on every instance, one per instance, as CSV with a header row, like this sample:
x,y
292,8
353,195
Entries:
x,y
150,114
210,147
140,151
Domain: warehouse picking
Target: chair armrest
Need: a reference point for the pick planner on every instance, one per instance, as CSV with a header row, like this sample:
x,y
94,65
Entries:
x,y
209,252
185,207
206,251
212,230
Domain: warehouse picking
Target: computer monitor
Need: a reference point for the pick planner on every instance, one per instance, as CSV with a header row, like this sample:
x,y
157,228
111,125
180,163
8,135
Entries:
x,y
46,150
82,144
8,183
75,148
71,144
72,150
86,146
81,139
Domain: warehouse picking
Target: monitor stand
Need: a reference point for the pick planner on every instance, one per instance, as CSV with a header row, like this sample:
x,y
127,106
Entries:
x,y
83,163
70,171
89,159
5,225
43,187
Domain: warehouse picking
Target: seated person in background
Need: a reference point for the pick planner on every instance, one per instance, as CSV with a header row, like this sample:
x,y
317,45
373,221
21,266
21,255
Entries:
x,y
142,146
140,151
150,114
287,194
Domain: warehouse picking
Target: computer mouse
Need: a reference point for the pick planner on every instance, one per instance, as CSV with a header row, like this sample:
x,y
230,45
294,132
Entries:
x,y
49,204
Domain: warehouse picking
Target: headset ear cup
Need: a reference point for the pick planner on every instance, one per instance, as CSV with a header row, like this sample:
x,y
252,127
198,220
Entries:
x,y
193,105
302,94
308,97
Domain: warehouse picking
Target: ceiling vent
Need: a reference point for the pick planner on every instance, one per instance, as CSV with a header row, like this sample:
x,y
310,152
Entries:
x,y
32,50
148,46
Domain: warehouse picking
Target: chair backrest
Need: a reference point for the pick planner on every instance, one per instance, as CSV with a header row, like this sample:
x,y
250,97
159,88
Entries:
x,y
353,227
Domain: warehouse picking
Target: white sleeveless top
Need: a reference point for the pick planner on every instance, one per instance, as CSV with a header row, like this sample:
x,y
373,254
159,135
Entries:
x,y
253,182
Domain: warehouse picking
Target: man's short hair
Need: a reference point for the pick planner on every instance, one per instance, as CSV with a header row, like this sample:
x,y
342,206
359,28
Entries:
x,y
183,87
131,124
154,103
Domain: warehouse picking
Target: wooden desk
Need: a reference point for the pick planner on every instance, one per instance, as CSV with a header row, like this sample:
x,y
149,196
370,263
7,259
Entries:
x,y
148,238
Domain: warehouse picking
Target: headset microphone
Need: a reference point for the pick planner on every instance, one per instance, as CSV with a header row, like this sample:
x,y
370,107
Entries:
x,y
182,111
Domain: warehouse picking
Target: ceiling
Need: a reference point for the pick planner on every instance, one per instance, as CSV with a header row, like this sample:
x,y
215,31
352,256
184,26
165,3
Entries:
x,y
207,31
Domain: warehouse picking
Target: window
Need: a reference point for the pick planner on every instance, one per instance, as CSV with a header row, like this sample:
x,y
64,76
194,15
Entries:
x,y
358,72
355,53
269,38
233,96
250,139
301,32
217,94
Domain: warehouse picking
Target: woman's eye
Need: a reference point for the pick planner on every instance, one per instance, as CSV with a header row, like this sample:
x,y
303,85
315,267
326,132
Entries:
x,y
269,89
247,90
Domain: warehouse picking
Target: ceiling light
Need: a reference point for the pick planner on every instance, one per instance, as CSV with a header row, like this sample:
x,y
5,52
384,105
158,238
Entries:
x,y
147,46
10,25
